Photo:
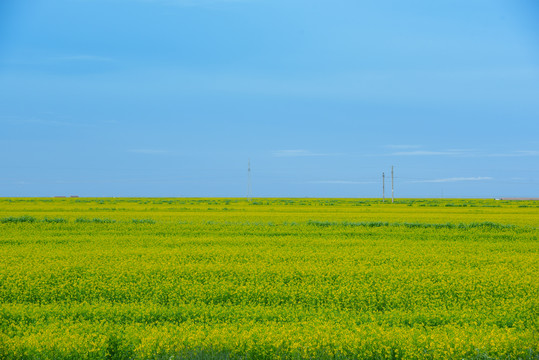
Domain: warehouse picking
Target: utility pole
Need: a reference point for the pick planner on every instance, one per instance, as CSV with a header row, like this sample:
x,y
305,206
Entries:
x,y
392,187
383,187
249,180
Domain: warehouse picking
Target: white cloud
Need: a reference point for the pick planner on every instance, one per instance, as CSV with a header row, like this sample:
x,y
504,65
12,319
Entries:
x,y
454,179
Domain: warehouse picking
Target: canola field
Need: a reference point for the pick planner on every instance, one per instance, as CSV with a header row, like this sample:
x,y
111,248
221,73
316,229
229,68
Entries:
x,y
109,278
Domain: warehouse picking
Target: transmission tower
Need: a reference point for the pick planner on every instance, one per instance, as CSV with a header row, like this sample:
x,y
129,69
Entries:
x,y
392,188
249,180
383,187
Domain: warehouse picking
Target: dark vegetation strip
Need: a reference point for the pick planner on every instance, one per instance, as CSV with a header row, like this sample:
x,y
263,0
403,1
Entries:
x,y
95,220
315,223
484,225
143,221
18,219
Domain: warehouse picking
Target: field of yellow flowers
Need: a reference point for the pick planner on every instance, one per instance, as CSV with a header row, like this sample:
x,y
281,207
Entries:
x,y
91,278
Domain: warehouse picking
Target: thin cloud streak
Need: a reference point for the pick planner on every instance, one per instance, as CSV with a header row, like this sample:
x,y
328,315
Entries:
x,y
62,59
402,147
148,151
426,153
192,3
342,182
517,153
45,122
466,153
454,179
297,153
450,152
82,58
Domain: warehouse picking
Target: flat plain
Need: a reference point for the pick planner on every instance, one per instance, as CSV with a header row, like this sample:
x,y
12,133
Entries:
x,y
141,278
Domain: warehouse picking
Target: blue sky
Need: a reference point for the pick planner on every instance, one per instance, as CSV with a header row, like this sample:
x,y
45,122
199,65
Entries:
x,y
172,97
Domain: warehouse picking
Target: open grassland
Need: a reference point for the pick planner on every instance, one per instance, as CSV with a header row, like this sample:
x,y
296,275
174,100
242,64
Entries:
x,y
272,279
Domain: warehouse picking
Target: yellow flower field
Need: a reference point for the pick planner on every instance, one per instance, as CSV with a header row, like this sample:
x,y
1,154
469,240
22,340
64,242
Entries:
x,y
90,278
